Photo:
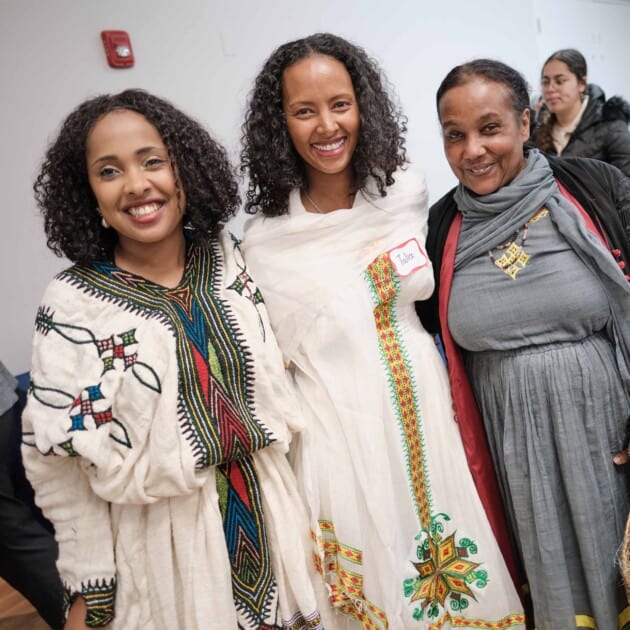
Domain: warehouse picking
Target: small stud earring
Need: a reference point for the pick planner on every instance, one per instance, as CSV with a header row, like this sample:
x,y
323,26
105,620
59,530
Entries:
x,y
103,222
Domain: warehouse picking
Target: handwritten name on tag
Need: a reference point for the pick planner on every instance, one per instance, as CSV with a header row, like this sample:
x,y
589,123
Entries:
x,y
408,257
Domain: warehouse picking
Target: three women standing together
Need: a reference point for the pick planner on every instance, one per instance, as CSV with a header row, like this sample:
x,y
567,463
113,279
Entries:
x,y
160,411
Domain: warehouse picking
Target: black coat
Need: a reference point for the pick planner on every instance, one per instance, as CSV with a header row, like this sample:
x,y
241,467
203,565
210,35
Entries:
x,y
601,189
602,133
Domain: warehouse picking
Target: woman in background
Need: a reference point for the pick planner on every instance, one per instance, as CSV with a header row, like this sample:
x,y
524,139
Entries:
x,y
533,301
576,119
159,413
403,538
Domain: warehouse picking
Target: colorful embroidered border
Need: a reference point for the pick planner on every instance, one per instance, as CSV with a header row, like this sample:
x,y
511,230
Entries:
x,y
346,586
300,622
215,406
216,379
511,621
384,284
99,599
445,568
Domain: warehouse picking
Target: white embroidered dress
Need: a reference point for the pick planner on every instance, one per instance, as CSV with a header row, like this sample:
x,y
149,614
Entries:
x,y
155,437
403,539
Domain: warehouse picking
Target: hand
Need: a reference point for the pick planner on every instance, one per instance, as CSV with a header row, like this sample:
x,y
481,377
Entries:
x,y
76,616
622,457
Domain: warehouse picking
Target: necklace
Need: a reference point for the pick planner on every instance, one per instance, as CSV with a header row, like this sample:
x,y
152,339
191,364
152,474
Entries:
x,y
317,208
514,257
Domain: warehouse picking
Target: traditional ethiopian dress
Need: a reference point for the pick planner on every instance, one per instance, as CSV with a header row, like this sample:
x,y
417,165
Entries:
x,y
155,438
403,539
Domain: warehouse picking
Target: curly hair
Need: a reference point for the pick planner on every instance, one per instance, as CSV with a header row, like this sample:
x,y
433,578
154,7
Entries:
x,y
63,193
268,156
489,70
577,66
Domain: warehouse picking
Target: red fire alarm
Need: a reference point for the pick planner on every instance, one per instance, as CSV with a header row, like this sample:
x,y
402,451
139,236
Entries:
x,y
117,48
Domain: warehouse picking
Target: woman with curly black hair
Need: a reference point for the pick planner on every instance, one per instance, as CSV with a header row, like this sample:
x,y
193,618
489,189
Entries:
x,y
402,535
159,414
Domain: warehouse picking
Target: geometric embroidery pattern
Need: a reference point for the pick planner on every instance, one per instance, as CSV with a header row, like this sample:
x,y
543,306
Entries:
x,y
99,599
444,567
215,402
345,583
244,284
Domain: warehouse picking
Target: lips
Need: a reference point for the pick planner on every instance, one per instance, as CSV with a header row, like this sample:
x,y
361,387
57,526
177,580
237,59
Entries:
x,y
334,147
142,211
480,170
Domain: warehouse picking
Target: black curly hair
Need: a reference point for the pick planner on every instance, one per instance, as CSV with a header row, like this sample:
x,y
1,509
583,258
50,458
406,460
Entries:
x,y
63,193
268,156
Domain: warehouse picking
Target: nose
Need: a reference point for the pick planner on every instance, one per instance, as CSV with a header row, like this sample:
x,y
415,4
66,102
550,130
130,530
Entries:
x,y
474,147
136,182
327,123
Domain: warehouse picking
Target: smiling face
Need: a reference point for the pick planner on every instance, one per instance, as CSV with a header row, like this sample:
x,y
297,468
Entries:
x,y
132,178
483,135
561,89
322,114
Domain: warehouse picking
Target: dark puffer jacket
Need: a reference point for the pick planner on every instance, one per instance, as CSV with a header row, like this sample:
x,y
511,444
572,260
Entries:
x,y
602,133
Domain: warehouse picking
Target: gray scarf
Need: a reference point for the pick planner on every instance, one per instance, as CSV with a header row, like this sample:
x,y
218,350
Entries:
x,y
490,220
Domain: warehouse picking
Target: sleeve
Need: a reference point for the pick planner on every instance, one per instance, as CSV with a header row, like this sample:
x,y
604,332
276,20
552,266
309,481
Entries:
x,y
105,388
59,478
618,146
621,188
82,530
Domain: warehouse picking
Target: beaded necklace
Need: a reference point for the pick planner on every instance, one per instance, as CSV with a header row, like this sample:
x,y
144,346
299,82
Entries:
x,y
514,257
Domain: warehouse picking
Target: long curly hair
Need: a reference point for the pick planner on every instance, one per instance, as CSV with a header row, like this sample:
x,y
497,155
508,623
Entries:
x,y
268,156
63,193
577,66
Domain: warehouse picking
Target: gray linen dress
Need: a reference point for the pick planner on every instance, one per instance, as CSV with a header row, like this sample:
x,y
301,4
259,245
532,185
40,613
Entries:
x,y
545,376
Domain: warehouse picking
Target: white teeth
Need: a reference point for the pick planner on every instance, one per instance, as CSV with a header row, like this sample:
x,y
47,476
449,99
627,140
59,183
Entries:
x,y
143,211
329,147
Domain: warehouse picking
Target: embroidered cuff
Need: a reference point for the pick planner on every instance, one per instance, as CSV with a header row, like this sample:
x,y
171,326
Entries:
x,y
99,599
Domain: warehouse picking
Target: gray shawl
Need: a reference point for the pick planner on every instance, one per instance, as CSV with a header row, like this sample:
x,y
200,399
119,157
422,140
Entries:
x,y
490,220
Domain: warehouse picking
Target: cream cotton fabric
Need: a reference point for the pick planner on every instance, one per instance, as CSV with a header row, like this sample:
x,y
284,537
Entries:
x,y
384,485
138,510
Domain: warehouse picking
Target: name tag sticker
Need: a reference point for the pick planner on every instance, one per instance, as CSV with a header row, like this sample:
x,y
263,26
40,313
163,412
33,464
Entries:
x,y
408,257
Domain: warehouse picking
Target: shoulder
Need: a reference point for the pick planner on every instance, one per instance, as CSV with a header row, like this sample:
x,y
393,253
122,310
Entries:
x,y
445,206
65,285
616,109
578,167
409,180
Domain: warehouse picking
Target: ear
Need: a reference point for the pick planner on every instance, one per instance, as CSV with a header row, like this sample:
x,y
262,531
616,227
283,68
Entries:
x,y
524,122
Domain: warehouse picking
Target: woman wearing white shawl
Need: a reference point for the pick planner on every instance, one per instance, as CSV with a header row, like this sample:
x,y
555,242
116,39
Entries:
x,y
405,537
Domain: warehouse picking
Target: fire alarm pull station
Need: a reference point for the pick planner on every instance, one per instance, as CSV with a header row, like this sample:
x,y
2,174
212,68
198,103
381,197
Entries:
x,y
117,48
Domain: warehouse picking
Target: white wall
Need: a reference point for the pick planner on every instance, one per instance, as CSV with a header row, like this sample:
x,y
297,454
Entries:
x,y
204,54
599,29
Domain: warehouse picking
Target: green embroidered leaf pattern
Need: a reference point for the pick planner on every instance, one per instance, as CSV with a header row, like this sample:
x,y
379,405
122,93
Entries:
x,y
118,433
55,398
147,376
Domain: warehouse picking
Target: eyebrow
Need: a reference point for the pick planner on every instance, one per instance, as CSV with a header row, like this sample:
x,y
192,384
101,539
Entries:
x,y
346,95
554,76
139,152
481,120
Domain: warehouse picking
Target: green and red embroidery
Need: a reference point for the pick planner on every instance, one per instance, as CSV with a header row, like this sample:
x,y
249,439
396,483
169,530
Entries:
x,y
446,574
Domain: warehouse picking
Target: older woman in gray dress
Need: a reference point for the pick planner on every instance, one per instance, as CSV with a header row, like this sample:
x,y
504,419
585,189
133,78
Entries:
x,y
533,303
